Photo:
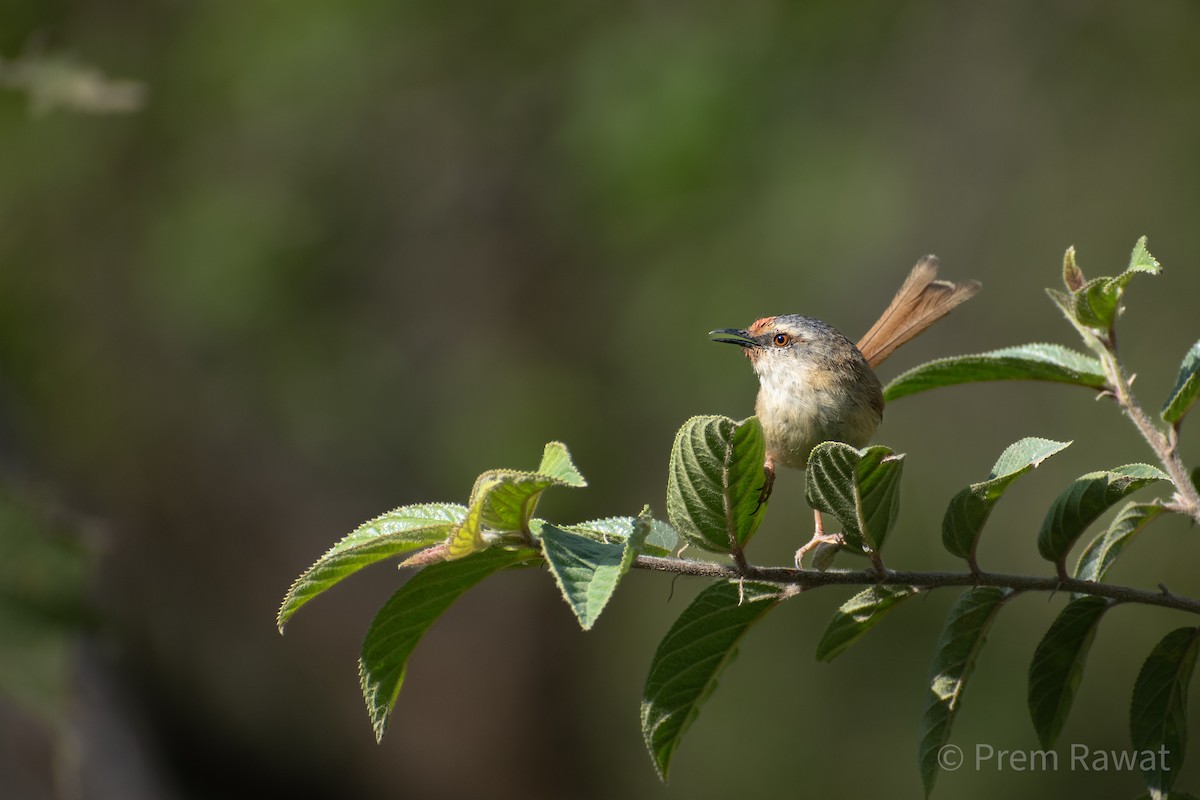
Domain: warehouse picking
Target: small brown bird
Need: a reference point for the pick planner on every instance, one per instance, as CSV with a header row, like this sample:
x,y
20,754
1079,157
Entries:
x,y
816,386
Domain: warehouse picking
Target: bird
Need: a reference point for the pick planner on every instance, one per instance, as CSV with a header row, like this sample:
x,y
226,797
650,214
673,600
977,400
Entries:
x,y
815,385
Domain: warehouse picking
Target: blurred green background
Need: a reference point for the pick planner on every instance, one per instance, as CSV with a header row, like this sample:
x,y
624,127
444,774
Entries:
x,y
348,255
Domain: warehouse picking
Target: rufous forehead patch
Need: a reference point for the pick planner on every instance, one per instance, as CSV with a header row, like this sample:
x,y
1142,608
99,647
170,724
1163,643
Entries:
x,y
761,325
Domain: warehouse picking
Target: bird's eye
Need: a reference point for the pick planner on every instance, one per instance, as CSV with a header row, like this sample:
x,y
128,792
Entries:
x,y
781,339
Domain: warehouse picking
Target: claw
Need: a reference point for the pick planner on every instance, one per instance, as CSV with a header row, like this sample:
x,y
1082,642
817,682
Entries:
x,y
768,483
819,537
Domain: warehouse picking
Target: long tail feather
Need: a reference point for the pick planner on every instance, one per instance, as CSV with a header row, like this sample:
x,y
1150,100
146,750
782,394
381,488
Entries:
x,y
921,301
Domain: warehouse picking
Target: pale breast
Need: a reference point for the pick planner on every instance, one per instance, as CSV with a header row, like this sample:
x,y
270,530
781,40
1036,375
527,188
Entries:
x,y
800,408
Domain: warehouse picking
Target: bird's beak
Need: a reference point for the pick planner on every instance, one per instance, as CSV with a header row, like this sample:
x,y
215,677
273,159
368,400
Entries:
x,y
743,338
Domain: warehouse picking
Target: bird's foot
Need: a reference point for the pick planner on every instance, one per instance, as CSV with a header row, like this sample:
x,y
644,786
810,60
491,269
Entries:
x,y
768,483
819,538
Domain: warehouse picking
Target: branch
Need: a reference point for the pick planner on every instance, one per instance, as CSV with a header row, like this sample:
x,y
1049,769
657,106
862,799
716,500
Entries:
x,y
1164,446
787,577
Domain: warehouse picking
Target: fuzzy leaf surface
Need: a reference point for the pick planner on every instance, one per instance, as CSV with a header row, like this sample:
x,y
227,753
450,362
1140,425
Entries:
x,y
859,487
1027,362
858,615
963,636
408,614
1102,552
588,571
1081,503
715,480
690,658
1057,666
397,532
504,500
1187,387
970,508
1097,302
661,539
1158,712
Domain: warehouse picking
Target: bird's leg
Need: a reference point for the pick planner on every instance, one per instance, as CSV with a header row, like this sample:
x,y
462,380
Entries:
x,y
819,537
768,482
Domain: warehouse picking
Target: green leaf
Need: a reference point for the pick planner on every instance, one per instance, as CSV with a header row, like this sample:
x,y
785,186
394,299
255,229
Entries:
x,y
408,614
1140,259
1081,503
1102,551
715,482
1065,301
587,571
1187,387
661,540
962,638
857,616
503,500
397,532
467,537
969,509
1158,713
1057,666
690,659
859,487
1097,302
1072,275
557,465
1028,362
508,497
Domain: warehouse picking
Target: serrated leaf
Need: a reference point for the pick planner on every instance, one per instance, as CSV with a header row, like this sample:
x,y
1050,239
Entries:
x,y
1158,712
1065,302
508,497
1057,666
690,658
661,539
859,487
588,571
408,614
1081,503
557,465
963,636
1028,362
1187,387
715,480
503,500
858,615
467,537
1097,302
1102,551
1140,259
970,508
397,532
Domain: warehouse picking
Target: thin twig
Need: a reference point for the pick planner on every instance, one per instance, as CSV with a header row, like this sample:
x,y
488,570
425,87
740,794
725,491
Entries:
x,y
1188,499
787,577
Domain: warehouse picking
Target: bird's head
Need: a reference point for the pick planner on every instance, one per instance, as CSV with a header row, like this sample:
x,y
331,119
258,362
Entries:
x,y
782,337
